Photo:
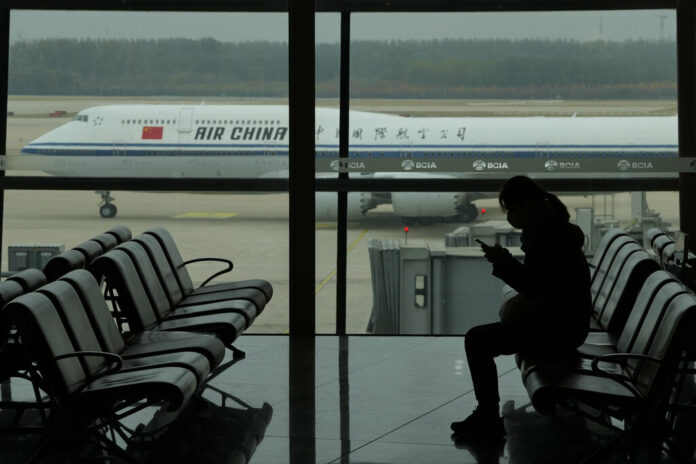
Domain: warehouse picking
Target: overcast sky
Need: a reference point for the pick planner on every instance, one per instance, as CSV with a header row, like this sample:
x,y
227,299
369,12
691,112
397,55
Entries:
x,y
234,27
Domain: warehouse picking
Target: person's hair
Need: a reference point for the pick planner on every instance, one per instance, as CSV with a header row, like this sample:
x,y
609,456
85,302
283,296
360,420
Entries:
x,y
517,189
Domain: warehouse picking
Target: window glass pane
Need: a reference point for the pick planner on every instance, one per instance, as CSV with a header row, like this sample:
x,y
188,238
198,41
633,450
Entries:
x,y
144,94
474,95
249,230
325,269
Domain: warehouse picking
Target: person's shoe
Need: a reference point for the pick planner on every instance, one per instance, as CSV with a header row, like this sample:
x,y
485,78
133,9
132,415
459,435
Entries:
x,y
479,425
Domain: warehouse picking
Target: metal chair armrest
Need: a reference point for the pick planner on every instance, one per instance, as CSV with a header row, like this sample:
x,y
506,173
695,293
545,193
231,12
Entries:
x,y
623,380
229,267
115,365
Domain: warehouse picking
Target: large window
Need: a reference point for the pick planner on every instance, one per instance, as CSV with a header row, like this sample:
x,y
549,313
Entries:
x,y
443,107
469,98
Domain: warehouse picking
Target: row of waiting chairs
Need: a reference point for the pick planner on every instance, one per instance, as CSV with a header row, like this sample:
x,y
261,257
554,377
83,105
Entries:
x,y
154,291
635,364
677,261
86,373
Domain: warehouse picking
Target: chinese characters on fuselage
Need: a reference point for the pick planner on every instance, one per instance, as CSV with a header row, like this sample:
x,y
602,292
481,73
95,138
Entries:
x,y
279,133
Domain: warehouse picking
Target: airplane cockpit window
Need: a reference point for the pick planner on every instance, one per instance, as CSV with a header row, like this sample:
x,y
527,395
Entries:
x,y
80,117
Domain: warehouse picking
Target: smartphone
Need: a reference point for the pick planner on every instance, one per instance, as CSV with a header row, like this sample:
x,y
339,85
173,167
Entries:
x,y
483,245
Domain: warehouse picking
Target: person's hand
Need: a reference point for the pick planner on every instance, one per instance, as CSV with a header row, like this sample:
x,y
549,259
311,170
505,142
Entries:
x,y
495,253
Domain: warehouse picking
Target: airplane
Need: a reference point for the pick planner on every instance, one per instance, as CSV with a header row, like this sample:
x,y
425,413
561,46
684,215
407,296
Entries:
x,y
251,141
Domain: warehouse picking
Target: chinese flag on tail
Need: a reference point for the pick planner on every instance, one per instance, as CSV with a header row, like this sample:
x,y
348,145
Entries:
x,y
152,132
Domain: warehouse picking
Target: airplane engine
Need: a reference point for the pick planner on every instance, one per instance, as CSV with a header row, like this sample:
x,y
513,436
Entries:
x,y
426,207
327,205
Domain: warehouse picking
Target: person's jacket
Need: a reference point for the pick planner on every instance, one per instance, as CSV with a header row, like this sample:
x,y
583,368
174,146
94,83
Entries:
x,y
554,277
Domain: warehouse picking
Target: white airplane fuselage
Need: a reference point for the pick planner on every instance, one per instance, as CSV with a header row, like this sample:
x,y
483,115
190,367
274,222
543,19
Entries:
x,y
251,141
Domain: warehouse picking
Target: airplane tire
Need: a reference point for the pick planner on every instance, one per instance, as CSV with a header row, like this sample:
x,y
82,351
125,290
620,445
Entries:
x,y
108,210
469,213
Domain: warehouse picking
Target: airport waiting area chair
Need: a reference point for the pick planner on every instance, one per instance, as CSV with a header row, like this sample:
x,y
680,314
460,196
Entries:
x,y
138,345
13,365
91,389
169,267
634,367
132,299
168,303
178,266
639,386
624,278
89,377
600,253
635,362
82,255
146,281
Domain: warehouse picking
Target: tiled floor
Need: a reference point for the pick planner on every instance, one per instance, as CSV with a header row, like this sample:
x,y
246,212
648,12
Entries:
x,y
356,400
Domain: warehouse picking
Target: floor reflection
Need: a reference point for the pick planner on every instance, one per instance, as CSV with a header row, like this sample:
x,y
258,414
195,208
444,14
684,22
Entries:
x,y
344,396
359,400
302,386
484,452
211,434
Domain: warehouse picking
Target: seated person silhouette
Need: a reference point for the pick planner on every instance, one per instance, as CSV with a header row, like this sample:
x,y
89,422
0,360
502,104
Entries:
x,y
551,314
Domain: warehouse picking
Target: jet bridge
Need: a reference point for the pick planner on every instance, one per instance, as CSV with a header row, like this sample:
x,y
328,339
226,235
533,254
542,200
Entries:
x,y
418,289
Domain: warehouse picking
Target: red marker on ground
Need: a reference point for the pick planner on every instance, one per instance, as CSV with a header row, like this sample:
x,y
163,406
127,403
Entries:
x,y
483,210
406,235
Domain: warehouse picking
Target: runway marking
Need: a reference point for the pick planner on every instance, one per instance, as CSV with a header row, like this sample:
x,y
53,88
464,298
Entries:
x,y
333,273
204,215
321,285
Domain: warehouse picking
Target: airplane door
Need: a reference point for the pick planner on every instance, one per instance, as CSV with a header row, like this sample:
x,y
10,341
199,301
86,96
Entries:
x,y
542,149
407,163
185,120
406,150
119,148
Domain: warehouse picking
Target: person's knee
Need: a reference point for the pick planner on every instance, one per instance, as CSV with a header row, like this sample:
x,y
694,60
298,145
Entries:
x,y
482,338
474,331
473,339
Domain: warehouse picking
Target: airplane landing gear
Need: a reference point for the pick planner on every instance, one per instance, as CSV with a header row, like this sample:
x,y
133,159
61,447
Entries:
x,y
106,208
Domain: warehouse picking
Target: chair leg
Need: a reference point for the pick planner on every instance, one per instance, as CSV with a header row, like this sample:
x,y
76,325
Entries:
x,y
237,354
220,369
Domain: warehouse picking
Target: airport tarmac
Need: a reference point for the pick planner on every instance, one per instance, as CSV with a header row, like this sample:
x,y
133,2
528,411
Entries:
x,y
41,106
251,230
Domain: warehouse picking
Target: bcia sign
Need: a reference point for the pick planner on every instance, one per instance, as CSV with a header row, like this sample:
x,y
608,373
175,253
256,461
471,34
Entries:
x,y
480,165
408,165
625,165
552,165
336,165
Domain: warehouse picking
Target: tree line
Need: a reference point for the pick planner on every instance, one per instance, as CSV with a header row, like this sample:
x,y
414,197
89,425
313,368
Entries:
x,y
379,69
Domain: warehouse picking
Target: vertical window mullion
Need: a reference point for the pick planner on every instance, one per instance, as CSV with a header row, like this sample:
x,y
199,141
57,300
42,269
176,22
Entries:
x,y
342,229
301,168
